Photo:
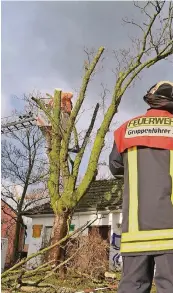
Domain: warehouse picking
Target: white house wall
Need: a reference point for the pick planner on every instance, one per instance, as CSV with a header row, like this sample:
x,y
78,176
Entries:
x,y
4,247
36,243
79,219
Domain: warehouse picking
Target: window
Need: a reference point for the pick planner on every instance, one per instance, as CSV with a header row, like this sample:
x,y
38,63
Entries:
x,y
47,235
36,231
104,231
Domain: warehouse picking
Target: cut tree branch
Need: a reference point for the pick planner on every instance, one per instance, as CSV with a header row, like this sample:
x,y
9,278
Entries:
x,y
79,156
41,252
78,104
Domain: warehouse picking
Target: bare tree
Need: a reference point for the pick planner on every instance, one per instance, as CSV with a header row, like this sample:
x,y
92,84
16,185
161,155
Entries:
x,y
156,44
24,169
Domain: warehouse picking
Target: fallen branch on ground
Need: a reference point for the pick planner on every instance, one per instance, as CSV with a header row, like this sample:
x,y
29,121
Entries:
x,y
12,274
68,236
52,272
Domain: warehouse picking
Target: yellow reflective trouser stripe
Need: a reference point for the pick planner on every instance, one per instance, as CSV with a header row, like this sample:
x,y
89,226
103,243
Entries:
x,y
133,190
147,246
152,240
171,172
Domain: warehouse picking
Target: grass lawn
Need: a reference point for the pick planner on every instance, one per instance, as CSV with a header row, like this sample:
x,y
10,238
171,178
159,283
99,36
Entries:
x,y
78,284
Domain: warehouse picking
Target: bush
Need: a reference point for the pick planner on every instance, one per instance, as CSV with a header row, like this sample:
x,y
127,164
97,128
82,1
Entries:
x,y
93,255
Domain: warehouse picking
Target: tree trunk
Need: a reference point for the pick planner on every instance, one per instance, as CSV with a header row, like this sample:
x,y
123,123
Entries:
x,y
16,240
59,230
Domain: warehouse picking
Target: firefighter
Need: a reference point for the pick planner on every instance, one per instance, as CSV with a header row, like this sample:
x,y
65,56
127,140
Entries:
x,y
143,153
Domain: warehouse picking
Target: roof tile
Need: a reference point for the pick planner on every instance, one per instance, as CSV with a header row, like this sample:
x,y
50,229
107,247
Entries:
x,y
102,195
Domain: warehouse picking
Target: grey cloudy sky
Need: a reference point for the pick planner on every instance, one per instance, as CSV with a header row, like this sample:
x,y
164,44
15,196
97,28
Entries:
x,y
42,48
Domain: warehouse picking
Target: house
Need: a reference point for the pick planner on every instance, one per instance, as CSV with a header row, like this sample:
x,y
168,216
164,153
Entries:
x,y
104,199
8,231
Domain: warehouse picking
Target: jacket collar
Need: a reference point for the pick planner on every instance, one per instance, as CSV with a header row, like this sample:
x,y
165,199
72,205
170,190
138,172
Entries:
x,y
158,112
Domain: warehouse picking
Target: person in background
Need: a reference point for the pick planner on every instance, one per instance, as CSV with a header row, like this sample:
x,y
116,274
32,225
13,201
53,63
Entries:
x,y
143,153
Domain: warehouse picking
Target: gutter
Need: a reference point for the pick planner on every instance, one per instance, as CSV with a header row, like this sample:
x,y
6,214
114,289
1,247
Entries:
x,y
76,213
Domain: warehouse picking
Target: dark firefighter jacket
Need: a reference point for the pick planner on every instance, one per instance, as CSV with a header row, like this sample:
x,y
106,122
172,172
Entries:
x,y
143,153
